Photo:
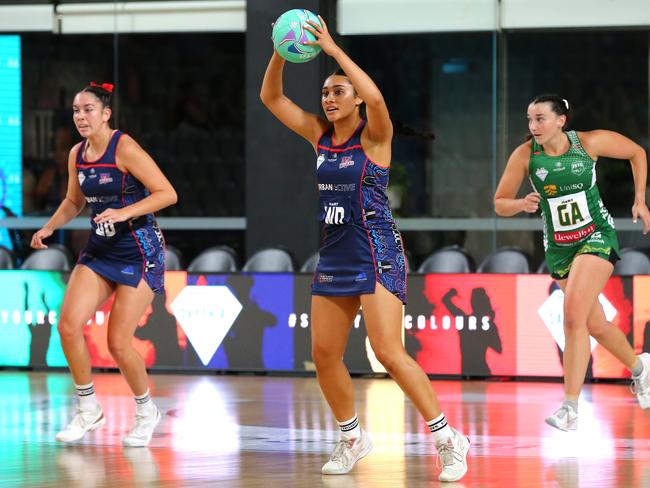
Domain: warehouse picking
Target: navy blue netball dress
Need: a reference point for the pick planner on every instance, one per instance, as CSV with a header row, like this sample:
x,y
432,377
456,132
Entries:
x,y
122,252
361,244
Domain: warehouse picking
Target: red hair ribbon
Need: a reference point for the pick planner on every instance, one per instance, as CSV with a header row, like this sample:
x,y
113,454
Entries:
x,y
106,86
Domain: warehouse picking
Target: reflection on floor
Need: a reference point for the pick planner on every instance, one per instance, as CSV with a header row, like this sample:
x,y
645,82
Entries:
x,y
236,431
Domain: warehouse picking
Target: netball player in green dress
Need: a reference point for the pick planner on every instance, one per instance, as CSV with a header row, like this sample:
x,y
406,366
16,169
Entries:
x,y
580,242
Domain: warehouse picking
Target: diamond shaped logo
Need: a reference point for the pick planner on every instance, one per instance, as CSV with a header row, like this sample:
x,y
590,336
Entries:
x,y
552,314
206,314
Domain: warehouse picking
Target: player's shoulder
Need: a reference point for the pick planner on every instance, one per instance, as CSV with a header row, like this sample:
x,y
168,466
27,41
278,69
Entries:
x,y
127,144
587,136
74,150
522,151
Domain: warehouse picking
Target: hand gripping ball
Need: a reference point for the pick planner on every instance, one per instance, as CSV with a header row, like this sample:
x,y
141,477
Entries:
x,y
289,36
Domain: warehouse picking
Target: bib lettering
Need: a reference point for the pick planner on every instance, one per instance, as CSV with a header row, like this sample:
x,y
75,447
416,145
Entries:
x,y
572,220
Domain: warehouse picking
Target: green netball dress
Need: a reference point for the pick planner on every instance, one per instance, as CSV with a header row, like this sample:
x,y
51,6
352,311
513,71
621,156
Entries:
x,y
575,218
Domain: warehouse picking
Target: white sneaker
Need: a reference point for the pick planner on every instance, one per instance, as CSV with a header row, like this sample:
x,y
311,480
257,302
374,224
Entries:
x,y
452,453
142,430
347,453
564,418
83,421
641,385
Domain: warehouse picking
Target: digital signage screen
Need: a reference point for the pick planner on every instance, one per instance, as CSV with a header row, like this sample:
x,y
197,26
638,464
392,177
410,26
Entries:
x,y
454,325
10,132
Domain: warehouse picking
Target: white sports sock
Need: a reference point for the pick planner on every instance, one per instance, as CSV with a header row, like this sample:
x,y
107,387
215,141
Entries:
x,y
573,404
143,404
440,429
87,398
637,370
350,429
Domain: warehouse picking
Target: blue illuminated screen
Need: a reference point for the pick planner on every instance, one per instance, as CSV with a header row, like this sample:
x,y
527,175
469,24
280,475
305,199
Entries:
x,y
10,131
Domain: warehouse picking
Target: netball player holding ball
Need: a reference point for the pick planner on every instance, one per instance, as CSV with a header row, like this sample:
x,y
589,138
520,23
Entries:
x,y
362,260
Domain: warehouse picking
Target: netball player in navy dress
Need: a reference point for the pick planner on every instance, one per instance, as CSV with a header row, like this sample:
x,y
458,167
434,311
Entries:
x,y
124,255
361,258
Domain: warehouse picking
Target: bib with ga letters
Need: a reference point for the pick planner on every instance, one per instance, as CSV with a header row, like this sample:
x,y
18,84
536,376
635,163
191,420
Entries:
x,y
571,218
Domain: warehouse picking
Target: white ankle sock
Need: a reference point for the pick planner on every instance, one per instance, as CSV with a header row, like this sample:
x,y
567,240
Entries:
x,y
637,370
87,398
440,429
143,404
573,404
350,429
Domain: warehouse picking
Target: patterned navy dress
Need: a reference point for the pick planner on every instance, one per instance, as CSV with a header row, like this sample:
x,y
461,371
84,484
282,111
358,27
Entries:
x,y
361,244
122,252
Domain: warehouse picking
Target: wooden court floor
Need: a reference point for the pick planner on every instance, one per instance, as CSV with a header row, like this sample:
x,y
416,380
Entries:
x,y
242,431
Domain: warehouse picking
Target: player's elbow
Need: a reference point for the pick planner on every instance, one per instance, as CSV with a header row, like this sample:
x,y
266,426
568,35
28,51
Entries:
x,y
267,98
498,207
375,100
641,153
172,197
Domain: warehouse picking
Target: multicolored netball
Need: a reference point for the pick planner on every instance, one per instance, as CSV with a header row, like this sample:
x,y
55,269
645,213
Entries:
x,y
289,36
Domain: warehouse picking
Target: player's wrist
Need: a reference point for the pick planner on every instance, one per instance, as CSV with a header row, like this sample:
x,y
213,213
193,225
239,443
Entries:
x,y
336,52
520,204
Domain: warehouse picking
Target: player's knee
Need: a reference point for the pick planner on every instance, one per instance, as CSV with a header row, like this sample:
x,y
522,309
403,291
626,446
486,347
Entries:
x,y
118,348
69,329
574,316
323,356
597,328
573,321
388,356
